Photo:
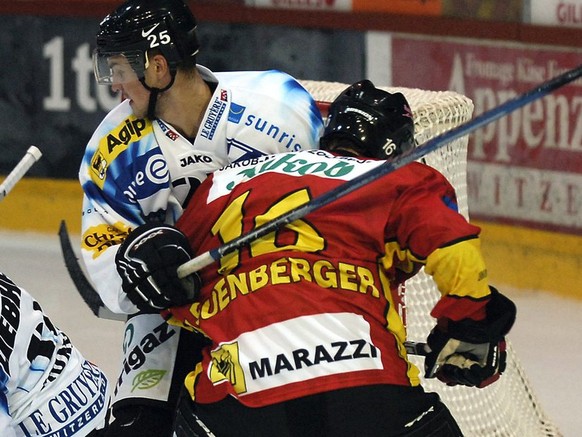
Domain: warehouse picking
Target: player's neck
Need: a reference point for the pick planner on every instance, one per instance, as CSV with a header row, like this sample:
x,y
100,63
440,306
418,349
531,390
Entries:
x,y
184,104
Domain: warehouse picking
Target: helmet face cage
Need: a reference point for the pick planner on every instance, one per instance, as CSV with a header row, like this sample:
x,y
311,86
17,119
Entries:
x,y
141,25
118,67
379,124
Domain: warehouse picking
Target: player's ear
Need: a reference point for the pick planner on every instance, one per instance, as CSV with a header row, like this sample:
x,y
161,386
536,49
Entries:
x,y
159,70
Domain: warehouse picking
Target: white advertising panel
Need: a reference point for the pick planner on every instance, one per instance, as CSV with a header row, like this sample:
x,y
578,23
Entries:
x,y
323,5
557,12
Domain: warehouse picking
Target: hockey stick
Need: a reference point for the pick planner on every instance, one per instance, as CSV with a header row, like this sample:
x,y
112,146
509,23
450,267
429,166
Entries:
x,y
437,142
84,287
33,154
344,189
98,308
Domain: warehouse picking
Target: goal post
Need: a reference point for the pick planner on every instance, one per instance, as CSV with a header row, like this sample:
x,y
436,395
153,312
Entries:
x,y
508,407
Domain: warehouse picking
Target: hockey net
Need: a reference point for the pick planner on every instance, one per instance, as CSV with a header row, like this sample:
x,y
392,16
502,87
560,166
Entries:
x,y
508,407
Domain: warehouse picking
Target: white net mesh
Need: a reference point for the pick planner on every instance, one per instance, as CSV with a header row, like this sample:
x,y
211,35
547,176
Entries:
x,y
509,406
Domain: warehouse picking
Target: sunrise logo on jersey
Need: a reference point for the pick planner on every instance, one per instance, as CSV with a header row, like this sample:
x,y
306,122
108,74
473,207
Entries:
x,y
225,367
132,129
273,131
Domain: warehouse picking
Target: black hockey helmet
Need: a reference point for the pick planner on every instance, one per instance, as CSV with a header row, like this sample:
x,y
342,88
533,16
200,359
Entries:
x,y
372,122
141,25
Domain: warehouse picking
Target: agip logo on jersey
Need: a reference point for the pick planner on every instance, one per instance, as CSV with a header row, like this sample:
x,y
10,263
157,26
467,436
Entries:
x,y
132,129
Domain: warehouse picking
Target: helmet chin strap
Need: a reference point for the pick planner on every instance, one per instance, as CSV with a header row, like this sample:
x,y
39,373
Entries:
x,y
154,93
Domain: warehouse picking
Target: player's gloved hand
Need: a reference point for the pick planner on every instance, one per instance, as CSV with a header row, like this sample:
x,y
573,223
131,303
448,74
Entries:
x,y
147,262
468,352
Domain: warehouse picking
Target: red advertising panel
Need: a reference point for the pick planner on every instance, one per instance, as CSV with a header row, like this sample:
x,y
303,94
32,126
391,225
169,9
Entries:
x,y
525,168
320,5
415,7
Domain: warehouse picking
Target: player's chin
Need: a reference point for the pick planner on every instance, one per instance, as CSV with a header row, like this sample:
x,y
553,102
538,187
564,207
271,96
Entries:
x,y
138,111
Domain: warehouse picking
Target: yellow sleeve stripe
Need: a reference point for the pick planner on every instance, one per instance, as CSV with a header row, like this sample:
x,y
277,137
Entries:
x,y
459,270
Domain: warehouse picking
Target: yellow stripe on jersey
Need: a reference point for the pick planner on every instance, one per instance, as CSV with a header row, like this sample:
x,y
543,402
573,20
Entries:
x,y
459,269
395,325
132,129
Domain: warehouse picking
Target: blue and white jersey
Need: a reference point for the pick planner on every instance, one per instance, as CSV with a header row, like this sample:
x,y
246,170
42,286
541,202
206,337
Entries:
x,y
136,170
47,388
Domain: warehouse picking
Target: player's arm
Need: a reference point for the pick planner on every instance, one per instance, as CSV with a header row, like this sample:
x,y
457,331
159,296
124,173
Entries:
x,y
102,230
468,341
121,192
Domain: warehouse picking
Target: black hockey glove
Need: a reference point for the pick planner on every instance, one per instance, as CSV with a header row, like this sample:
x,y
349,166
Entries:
x,y
147,262
468,352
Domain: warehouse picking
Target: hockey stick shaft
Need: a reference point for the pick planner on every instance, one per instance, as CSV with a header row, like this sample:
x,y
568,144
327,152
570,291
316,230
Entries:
x,y
416,348
98,308
435,143
82,284
32,155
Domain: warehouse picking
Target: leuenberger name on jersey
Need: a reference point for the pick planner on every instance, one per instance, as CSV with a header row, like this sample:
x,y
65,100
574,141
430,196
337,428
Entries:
x,y
287,270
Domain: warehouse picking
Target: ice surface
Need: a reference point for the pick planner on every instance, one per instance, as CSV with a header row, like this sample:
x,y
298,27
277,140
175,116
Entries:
x,y
547,335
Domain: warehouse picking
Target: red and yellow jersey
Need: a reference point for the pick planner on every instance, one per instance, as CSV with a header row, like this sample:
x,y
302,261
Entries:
x,y
310,308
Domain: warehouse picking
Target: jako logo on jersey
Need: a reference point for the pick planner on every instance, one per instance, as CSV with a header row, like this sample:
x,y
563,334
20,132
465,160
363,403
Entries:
x,y
194,159
211,121
98,238
271,130
130,130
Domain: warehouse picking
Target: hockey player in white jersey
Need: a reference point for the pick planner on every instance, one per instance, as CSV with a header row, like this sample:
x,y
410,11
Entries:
x,y
47,387
178,122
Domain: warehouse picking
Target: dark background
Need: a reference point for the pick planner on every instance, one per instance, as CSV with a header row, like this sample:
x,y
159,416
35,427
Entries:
x,y
50,59
48,96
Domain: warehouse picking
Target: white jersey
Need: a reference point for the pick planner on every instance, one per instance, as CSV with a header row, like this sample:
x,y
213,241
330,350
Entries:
x,y
47,388
135,170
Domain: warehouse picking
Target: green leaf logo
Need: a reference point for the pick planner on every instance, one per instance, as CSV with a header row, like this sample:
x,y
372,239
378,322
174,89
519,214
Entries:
x,y
147,379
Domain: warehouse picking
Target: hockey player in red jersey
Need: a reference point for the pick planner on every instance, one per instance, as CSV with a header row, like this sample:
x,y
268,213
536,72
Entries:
x,y
47,387
306,339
